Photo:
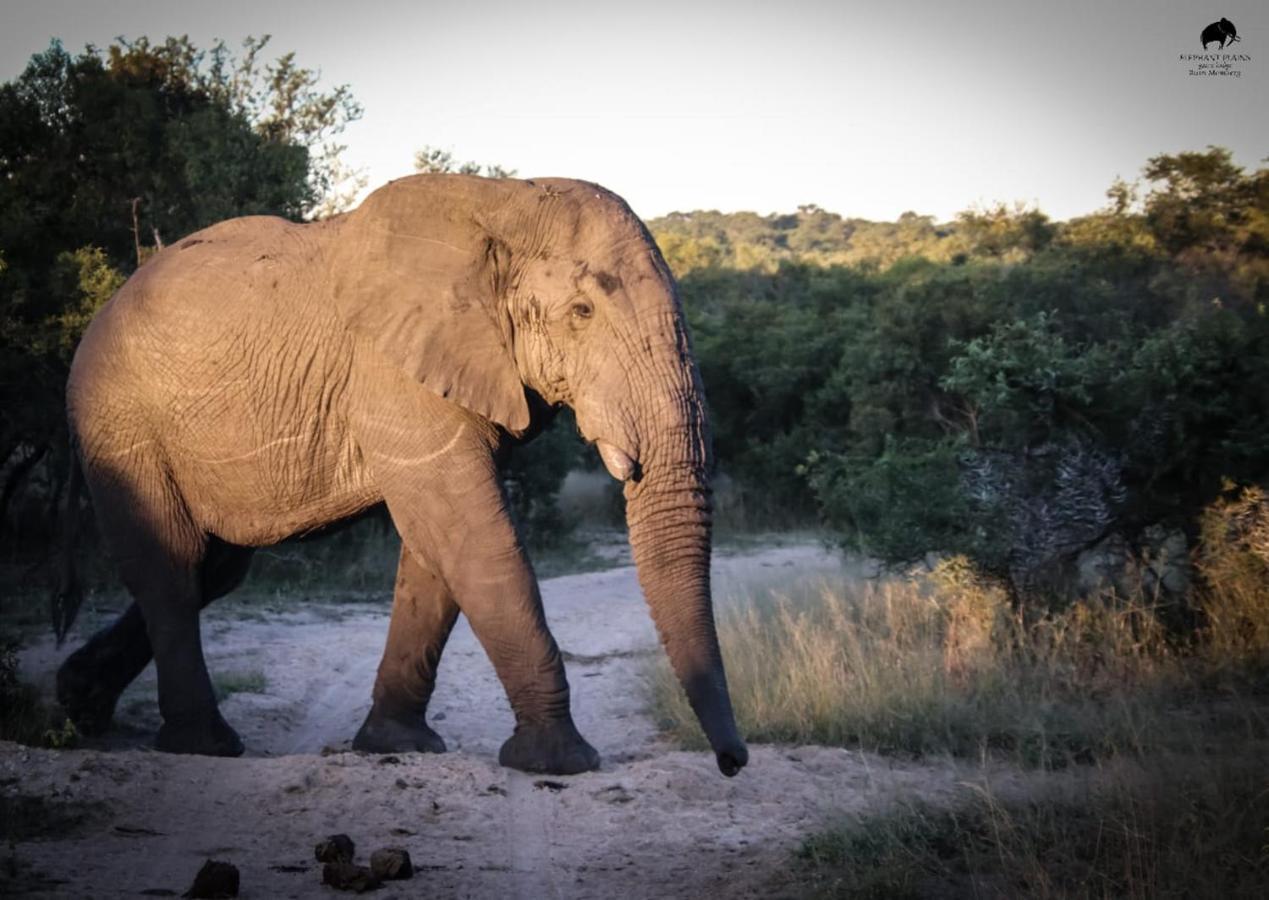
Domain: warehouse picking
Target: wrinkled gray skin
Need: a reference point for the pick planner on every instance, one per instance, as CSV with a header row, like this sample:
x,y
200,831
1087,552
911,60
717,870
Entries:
x,y
261,379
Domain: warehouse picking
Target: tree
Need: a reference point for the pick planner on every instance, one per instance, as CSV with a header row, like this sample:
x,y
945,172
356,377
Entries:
x,y
1201,201
1004,233
279,100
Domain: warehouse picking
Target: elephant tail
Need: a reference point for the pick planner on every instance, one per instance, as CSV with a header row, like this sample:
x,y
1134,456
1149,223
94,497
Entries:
x,y
69,593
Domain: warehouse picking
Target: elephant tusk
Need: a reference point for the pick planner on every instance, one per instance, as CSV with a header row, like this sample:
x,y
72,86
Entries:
x,y
617,462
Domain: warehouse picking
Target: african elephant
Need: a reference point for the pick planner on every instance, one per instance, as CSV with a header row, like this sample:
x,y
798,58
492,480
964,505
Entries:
x,y
1219,32
261,379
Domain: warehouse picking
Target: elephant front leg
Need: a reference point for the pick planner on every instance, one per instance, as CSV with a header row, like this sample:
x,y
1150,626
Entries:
x,y
479,556
423,614
500,598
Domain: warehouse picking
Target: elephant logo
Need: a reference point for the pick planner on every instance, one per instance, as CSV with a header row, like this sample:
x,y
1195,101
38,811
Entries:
x,y
1222,32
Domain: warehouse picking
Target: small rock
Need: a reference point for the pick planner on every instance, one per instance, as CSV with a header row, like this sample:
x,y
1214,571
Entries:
x,y
391,864
336,848
214,880
614,793
346,876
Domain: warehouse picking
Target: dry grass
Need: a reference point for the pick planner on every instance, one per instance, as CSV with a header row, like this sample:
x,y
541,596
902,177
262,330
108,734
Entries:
x,y
1234,598
1169,726
1169,829
944,664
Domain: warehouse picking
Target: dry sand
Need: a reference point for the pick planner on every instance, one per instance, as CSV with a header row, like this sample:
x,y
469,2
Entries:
x,y
653,822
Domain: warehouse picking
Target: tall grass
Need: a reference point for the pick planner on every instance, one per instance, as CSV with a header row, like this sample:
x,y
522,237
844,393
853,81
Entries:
x,y
1165,707
944,664
1233,558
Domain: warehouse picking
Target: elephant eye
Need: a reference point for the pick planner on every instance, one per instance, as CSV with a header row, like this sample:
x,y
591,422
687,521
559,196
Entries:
x,y
581,309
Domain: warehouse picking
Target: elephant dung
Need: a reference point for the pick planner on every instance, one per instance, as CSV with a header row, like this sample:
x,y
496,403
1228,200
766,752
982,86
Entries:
x,y
215,879
391,864
336,848
345,875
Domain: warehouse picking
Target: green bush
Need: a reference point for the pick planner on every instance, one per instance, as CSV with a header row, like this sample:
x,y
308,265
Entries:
x,y
983,362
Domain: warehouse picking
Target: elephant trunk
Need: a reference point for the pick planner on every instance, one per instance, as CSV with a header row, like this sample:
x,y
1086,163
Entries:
x,y
669,514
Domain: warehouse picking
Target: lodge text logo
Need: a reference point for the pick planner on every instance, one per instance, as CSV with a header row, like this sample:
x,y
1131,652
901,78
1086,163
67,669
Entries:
x,y
1211,64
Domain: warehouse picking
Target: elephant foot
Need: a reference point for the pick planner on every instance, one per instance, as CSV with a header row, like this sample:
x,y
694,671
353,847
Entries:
x,y
552,749
382,734
207,737
85,697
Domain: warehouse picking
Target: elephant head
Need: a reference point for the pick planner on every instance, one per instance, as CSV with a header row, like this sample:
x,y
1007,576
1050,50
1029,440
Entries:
x,y
484,289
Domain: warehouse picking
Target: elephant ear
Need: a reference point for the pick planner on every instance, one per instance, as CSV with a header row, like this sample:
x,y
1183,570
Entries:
x,y
414,274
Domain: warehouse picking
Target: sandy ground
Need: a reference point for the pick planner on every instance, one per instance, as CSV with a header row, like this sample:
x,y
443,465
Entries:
x,y
653,822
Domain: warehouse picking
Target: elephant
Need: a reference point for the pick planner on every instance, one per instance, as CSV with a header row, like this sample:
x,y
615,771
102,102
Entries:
x,y
1219,32
262,379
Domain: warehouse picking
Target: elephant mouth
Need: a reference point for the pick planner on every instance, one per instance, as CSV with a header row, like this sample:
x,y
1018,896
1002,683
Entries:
x,y
618,462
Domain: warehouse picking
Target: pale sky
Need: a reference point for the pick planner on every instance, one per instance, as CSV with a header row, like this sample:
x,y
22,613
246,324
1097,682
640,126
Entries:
x,y
866,109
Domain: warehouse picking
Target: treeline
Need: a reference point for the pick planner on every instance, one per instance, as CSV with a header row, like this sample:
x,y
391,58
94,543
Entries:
x,y
1004,386
746,240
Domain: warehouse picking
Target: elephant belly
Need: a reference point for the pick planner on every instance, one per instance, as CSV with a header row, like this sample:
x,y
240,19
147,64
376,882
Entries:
x,y
285,485
260,444
261,450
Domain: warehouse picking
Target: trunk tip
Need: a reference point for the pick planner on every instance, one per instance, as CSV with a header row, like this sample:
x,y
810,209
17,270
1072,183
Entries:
x,y
731,761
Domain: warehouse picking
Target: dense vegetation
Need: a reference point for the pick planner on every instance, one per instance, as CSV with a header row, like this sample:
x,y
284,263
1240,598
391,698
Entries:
x,y
1002,386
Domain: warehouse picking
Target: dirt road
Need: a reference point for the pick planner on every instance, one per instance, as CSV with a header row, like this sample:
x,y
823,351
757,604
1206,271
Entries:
x,y
653,822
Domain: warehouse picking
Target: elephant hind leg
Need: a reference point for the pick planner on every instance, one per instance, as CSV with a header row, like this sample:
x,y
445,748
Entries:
x,y
160,554
91,679
423,614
